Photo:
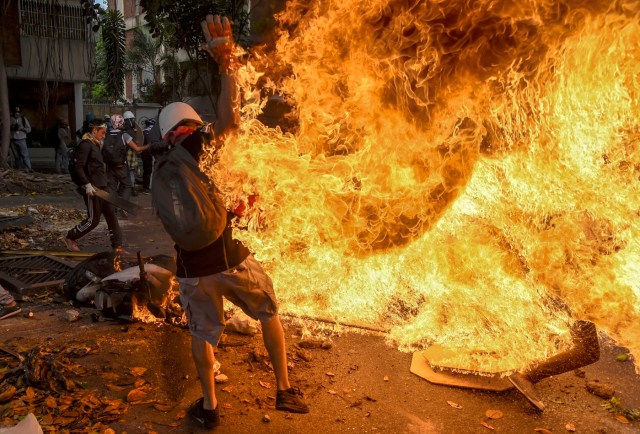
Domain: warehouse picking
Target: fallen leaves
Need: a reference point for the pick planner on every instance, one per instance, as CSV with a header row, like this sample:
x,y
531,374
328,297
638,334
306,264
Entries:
x,y
265,384
494,414
486,425
138,394
620,418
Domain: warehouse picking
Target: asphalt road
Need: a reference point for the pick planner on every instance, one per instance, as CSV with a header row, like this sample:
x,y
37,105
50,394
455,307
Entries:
x,y
359,384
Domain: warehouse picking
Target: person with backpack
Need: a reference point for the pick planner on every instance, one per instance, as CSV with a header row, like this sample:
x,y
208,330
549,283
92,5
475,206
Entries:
x,y
20,127
87,170
116,145
211,264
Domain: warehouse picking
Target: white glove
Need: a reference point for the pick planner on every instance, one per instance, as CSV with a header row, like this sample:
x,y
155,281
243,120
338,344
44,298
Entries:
x,y
90,190
219,40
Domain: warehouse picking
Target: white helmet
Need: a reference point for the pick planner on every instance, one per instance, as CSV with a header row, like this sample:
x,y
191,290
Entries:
x,y
174,114
128,115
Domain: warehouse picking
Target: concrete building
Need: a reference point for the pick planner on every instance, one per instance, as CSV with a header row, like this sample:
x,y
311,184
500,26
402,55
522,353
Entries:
x,y
49,52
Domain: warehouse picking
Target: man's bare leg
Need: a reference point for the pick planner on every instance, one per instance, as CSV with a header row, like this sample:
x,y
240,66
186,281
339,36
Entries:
x,y
204,360
274,342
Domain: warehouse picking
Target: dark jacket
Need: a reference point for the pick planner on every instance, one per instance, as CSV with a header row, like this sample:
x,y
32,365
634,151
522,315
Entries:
x,y
225,252
89,164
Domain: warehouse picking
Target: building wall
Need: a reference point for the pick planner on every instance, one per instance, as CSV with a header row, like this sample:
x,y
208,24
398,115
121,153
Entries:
x,y
63,60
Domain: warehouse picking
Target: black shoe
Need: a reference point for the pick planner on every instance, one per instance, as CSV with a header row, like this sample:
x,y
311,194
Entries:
x,y
7,311
205,418
291,400
134,193
146,191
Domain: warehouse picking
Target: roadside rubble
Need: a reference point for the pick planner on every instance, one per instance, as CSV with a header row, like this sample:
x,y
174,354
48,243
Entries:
x,y
47,227
18,182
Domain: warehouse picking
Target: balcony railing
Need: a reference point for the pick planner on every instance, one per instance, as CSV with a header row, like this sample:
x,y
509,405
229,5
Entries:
x,y
50,19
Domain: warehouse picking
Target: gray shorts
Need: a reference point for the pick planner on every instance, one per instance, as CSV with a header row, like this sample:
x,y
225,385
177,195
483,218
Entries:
x,y
246,285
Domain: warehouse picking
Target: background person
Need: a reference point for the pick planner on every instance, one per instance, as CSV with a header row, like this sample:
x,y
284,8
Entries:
x,y
152,138
132,128
90,169
20,127
62,150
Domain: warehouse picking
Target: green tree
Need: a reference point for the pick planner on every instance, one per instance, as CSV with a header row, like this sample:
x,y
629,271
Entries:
x,y
113,40
177,24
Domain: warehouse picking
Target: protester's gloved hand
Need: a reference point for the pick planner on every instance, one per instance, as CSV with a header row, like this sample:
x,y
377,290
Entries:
x,y
90,189
219,41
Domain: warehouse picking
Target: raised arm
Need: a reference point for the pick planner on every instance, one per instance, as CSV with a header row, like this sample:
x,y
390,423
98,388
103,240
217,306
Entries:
x,y
220,46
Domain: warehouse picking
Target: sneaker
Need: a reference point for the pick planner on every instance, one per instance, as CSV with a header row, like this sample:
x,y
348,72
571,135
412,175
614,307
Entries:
x,y
7,311
205,418
291,400
527,388
146,191
72,245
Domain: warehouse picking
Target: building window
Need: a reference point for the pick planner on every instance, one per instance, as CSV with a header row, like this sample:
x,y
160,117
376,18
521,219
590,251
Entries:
x,y
49,19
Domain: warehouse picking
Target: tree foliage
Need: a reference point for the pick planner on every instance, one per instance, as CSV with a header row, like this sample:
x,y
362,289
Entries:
x,y
113,40
178,23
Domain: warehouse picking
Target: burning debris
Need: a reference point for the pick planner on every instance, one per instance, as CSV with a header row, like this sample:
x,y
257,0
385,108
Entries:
x,y
463,173
120,287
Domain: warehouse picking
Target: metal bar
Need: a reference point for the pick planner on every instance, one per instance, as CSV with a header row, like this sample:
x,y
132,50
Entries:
x,y
332,321
46,252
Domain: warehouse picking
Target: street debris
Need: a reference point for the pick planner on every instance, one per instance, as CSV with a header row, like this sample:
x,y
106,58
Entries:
x,y
242,324
601,390
133,289
14,182
28,425
494,414
486,425
47,226
221,379
311,343
72,315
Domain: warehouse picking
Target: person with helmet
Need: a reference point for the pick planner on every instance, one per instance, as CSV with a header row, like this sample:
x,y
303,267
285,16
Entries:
x,y
224,268
116,145
132,128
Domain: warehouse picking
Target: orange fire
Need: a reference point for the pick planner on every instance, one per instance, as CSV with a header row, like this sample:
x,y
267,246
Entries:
x,y
460,173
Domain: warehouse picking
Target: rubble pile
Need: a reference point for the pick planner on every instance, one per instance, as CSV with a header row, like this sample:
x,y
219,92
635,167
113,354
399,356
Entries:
x,y
45,232
18,182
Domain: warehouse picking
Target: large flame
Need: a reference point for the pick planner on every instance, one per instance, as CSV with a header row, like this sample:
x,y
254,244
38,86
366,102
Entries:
x,y
461,173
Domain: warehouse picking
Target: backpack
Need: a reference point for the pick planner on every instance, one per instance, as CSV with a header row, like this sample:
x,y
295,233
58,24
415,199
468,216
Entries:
x,y
114,149
73,156
186,201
